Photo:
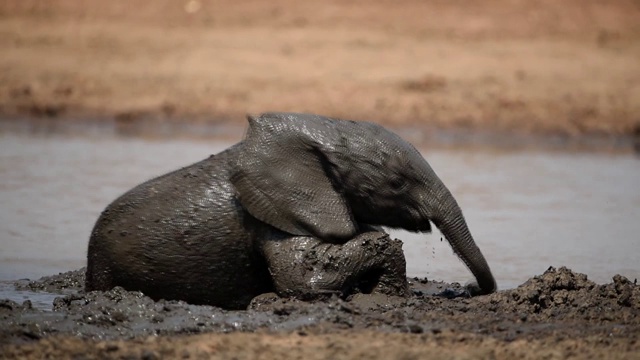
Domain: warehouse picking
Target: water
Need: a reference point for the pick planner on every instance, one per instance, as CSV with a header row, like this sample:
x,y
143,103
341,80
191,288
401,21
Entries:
x,y
40,300
527,210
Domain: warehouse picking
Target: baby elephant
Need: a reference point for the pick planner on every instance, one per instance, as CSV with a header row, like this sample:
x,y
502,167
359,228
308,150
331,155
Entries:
x,y
293,208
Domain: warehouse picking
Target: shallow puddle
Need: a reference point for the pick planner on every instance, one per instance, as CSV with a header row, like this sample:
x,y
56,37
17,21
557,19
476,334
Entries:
x,y
40,300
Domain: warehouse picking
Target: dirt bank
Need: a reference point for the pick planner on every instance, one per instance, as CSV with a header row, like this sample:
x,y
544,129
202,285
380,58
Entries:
x,y
559,314
513,67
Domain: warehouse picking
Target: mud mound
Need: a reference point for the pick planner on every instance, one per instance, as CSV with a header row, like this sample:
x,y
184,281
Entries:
x,y
564,294
70,280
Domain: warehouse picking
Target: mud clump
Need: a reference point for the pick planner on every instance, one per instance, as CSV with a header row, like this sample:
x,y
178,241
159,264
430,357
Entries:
x,y
61,283
560,310
563,294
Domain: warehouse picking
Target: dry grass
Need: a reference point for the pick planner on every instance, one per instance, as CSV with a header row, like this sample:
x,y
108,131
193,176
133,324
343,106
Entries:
x,y
567,67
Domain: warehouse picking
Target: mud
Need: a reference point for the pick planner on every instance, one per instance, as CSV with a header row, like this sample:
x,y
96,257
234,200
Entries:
x,y
558,314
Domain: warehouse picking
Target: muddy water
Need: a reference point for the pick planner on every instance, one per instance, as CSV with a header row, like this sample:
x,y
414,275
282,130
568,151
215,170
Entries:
x,y
527,210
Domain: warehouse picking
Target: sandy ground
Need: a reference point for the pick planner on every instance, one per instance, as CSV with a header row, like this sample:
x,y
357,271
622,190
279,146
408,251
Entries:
x,y
557,315
567,68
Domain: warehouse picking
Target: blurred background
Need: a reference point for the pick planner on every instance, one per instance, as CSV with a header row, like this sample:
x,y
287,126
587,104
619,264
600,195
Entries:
x,y
544,67
528,110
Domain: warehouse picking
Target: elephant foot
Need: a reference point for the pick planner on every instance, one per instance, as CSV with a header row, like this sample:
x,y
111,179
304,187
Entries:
x,y
307,268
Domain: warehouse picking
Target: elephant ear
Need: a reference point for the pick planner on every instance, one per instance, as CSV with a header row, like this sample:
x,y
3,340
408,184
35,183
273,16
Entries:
x,y
283,178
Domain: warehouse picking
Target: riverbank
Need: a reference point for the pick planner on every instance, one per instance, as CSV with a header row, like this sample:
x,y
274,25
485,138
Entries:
x,y
557,315
495,70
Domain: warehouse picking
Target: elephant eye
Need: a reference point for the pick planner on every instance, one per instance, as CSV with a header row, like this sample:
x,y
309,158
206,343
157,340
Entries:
x,y
397,183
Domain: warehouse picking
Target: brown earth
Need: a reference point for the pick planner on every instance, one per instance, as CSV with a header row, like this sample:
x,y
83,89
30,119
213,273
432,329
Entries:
x,y
557,315
567,68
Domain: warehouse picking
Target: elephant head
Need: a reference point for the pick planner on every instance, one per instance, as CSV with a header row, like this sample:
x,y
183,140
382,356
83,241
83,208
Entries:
x,y
311,175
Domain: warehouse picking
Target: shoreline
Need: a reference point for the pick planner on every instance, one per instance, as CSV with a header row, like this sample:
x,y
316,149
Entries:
x,y
219,128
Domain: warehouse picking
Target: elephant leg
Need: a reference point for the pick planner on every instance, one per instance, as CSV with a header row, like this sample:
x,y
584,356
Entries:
x,y
306,267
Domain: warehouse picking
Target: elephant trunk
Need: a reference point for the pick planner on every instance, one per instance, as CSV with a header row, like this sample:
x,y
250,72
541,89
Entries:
x,y
451,223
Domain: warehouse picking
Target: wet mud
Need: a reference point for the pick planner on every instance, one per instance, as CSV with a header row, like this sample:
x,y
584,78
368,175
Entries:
x,y
558,314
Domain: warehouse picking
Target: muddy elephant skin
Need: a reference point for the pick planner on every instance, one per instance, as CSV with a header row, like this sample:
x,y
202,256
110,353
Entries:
x,y
289,209
181,236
